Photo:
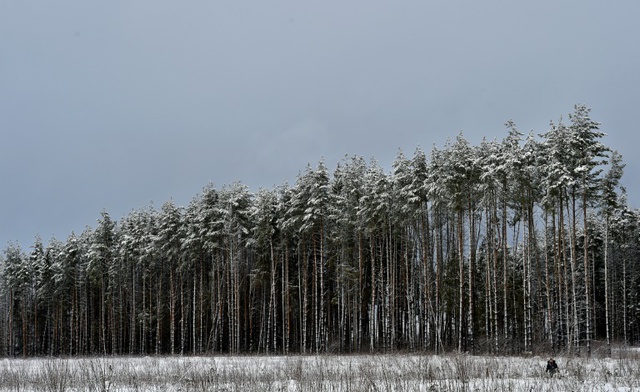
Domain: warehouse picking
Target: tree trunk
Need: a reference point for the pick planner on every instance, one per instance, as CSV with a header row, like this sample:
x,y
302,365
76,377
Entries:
x,y
606,285
426,284
574,280
372,307
439,263
586,272
286,304
472,274
158,319
461,280
505,266
549,316
172,312
359,295
271,317
494,270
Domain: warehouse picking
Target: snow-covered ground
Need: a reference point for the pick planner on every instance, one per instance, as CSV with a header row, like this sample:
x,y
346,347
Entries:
x,y
321,373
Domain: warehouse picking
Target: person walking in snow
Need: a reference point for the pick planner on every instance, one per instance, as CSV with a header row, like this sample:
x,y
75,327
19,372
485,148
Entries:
x,y
552,366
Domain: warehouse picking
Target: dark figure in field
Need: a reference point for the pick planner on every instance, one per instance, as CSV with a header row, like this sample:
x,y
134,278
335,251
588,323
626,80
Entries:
x,y
552,366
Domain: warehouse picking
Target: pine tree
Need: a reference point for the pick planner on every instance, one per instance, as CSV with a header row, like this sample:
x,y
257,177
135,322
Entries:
x,y
437,192
420,193
16,280
589,153
264,233
234,204
347,238
169,243
494,170
610,203
101,257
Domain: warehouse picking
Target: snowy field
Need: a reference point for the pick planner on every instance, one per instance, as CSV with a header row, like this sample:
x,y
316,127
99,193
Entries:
x,y
321,373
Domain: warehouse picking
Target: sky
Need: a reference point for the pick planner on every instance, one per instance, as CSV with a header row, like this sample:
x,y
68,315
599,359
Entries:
x,y
118,105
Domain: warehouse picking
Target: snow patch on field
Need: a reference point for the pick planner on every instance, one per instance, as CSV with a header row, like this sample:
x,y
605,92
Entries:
x,y
319,373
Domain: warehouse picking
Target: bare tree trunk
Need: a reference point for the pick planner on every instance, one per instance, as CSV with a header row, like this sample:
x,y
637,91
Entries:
x,y
236,297
201,326
359,296
426,284
606,284
133,316
472,274
172,312
23,310
9,323
183,308
324,337
488,299
409,326
574,280
271,318
586,273
230,311
158,320
625,324
461,280
530,253
286,306
516,257
494,270
525,280
314,290
549,313
143,327
565,278
439,263
75,317
389,319
372,307
194,311
103,318
505,267
303,292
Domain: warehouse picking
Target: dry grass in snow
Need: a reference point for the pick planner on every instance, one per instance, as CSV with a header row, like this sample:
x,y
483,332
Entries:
x,y
321,373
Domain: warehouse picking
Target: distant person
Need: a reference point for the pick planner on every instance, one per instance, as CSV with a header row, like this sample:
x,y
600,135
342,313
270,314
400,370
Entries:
x,y
552,366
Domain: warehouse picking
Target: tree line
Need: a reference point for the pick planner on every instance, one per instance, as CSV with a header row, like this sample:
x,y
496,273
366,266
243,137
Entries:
x,y
520,245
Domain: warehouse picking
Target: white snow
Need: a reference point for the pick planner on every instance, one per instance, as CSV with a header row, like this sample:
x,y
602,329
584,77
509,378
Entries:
x,y
321,373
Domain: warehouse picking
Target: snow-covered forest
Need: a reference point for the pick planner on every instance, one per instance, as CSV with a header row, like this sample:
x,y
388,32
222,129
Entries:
x,y
519,245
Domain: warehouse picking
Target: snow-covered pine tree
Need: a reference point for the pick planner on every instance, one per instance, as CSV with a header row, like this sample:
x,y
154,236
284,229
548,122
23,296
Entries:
x,y
235,202
493,164
287,237
461,181
439,197
610,202
169,242
374,214
559,184
590,153
347,237
15,280
263,216
420,191
101,256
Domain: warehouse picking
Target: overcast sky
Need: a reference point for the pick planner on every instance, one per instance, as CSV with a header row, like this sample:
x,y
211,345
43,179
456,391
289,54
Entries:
x,y
118,104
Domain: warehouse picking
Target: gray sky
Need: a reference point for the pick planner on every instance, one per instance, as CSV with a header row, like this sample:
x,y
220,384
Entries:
x,y
116,104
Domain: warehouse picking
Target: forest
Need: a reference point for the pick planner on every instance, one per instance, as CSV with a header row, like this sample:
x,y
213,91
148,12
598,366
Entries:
x,y
512,246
